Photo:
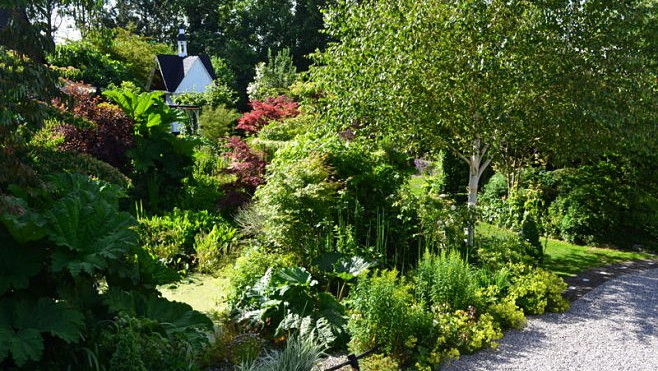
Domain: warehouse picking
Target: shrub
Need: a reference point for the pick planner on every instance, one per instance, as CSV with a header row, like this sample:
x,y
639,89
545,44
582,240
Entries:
x,y
496,252
48,161
384,314
217,122
51,312
212,249
379,362
462,332
171,236
445,280
319,191
536,290
107,138
610,202
246,164
265,111
96,68
286,301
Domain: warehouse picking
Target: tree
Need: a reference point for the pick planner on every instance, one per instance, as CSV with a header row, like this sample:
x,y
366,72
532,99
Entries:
x,y
274,77
488,78
26,85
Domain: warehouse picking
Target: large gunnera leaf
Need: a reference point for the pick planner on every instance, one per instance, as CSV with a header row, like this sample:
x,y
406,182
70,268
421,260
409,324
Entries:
x,y
178,317
23,323
90,234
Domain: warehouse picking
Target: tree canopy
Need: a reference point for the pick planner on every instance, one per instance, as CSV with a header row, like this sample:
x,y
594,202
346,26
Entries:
x,y
489,78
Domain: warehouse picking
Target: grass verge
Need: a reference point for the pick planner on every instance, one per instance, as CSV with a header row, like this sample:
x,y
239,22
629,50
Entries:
x,y
567,259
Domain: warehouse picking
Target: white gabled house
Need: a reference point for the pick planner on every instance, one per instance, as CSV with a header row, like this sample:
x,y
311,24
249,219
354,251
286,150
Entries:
x,y
182,73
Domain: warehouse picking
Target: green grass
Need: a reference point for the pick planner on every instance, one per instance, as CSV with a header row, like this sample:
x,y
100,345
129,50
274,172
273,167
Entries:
x,y
203,292
567,259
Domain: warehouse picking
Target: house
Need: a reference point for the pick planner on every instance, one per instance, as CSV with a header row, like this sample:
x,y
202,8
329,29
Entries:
x,y
180,74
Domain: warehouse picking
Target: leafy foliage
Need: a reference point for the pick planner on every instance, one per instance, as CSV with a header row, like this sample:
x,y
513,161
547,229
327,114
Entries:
x,y
537,291
326,195
160,160
274,77
107,139
603,203
284,301
218,122
171,237
50,161
72,252
269,109
445,279
384,314
95,67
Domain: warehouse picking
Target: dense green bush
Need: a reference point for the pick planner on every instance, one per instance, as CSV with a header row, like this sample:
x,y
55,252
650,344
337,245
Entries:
x,y
96,271
286,301
445,280
604,203
496,252
320,192
462,332
536,290
95,66
218,122
171,236
384,314
51,161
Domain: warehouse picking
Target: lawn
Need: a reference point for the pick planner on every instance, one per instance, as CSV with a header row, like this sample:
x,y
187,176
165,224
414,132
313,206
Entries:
x,y
203,292
567,259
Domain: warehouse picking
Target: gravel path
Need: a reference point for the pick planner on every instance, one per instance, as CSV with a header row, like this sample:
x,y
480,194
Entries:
x,y
613,327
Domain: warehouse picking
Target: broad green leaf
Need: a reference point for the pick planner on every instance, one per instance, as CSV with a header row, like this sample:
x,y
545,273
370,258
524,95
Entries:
x,y
178,316
18,263
92,234
26,345
56,318
6,334
292,275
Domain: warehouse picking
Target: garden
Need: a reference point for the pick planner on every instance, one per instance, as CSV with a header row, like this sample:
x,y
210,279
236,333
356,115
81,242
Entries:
x,y
411,187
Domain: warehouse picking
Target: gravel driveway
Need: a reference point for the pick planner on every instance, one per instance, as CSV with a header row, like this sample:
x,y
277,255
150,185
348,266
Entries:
x,y
612,328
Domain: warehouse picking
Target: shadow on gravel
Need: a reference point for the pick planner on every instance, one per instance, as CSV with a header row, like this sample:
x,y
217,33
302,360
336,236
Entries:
x,y
633,298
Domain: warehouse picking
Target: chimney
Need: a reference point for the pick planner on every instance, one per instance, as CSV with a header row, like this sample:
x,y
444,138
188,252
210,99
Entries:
x,y
182,41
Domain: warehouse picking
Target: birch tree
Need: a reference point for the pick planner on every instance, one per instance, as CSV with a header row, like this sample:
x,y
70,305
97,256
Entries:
x,y
485,78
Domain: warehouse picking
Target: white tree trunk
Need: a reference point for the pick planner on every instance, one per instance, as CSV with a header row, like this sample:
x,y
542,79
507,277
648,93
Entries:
x,y
476,167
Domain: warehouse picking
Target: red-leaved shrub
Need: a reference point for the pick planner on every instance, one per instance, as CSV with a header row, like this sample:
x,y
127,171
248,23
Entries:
x,y
111,134
270,109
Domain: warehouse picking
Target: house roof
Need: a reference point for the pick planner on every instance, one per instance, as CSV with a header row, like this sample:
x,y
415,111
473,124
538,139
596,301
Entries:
x,y
174,68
